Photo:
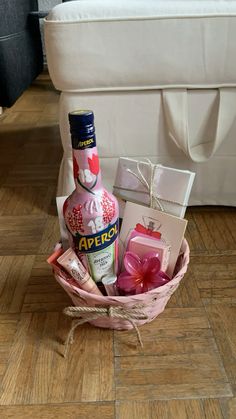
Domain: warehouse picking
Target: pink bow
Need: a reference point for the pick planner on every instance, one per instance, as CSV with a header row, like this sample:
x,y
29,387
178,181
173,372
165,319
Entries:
x,y
141,229
140,275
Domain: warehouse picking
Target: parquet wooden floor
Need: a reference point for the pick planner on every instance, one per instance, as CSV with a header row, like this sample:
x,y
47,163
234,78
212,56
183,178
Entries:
x,y
187,368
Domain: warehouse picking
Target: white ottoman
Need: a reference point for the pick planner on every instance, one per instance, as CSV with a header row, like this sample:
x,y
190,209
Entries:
x,y
160,77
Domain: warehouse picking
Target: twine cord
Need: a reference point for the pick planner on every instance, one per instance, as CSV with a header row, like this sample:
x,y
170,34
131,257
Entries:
x,y
146,192
148,185
87,314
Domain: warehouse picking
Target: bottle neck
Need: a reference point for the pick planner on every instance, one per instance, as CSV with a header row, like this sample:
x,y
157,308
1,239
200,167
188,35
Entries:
x,y
86,167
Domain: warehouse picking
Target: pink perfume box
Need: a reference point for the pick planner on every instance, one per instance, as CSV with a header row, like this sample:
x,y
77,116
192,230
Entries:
x,y
142,245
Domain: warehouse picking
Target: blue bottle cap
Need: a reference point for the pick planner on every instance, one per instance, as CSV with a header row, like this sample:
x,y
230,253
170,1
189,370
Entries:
x,y
81,127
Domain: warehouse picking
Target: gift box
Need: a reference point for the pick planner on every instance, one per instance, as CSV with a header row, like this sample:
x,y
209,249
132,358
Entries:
x,y
154,185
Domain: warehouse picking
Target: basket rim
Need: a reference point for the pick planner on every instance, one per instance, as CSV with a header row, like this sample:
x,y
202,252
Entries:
x,y
122,298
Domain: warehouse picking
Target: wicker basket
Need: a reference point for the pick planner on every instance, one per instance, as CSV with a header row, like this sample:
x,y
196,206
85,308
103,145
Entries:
x,y
123,313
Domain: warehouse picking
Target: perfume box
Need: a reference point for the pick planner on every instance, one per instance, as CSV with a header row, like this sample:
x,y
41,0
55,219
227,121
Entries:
x,y
170,187
170,228
142,246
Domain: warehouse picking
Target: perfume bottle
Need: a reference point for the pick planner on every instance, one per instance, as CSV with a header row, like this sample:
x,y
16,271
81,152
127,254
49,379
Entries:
x,y
90,212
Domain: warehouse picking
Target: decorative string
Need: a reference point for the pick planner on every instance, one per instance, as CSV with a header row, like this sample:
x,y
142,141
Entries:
x,y
148,185
146,192
87,314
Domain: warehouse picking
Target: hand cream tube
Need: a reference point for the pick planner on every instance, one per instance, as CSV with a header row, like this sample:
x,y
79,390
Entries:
x,y
76,269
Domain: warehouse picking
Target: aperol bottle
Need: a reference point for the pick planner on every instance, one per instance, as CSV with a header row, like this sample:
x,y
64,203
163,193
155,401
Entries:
x,y
90,212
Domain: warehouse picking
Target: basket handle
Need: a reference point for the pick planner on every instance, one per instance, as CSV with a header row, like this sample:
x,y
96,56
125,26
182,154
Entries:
x,y
175,104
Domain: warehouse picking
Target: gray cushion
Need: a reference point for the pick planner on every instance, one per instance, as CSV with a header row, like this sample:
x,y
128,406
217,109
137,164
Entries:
x,y
21,58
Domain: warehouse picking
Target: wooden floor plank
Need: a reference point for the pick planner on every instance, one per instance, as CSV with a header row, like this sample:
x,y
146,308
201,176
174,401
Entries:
x,y
222,319
51,235
15,271
8,327
228,407
175,331
187,294
170,409
43,293
36,364
133,410
195,240
216,281
36,174
173,364
67,411
21,235
211,231
26,200
220,231
212,409
8,384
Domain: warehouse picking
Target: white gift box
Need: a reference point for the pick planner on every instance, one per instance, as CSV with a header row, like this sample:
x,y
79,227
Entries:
x,y
163,187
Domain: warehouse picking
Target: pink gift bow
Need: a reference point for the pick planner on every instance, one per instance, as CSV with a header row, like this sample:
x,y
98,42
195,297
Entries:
x,y
141,229
141,275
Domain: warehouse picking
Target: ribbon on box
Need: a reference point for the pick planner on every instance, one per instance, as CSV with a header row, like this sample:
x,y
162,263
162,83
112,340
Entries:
x,y
141,229
146,184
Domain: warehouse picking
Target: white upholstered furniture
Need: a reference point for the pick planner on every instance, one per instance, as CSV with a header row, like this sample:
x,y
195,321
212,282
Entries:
x,y
160,77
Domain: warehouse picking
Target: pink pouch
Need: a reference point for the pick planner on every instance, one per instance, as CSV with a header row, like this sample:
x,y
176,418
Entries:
x,y
125,312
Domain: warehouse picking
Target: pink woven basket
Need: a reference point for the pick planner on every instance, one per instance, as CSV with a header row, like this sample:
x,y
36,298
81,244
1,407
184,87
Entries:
x,y
145,307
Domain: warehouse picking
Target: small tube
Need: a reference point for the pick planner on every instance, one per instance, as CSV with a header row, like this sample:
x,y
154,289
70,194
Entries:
x,y
109,284
71,263
52,260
